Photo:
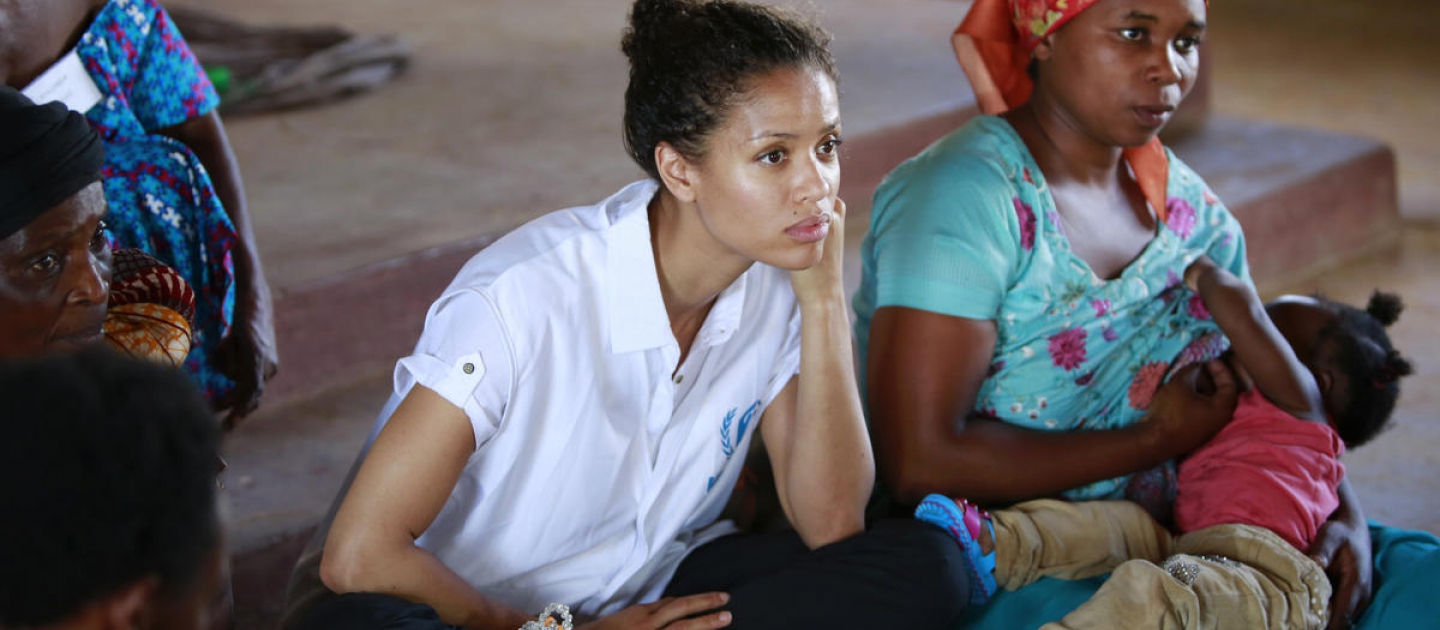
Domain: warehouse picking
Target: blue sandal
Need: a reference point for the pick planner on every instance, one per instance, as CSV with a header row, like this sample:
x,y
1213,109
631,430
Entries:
x,y
963,521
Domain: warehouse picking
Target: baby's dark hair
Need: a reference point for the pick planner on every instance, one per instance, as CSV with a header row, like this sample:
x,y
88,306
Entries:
x,y
107,476
690,60
1360,350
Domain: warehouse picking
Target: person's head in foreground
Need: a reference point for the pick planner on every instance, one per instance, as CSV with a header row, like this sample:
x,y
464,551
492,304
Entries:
x,y
54,259
733,108
107,475
1350,354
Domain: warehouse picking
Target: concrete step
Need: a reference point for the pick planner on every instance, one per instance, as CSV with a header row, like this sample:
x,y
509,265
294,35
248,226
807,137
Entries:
x,y
1308,200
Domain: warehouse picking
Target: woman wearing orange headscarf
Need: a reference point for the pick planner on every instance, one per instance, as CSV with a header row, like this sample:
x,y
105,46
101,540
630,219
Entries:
x,y
1022,302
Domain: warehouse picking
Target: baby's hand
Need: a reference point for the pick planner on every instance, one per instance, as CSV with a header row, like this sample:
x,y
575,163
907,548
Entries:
x,y
1197,270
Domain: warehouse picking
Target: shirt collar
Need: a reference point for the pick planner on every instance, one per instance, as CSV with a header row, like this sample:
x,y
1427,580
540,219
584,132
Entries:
x,y
637,311
638,320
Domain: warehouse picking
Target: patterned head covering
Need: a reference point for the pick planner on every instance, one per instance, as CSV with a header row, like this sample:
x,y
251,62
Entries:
x,y
150,309
47,154
993,46
1034,19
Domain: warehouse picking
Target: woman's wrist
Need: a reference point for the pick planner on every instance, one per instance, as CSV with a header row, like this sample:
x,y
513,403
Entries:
x,y
825,303
1149,440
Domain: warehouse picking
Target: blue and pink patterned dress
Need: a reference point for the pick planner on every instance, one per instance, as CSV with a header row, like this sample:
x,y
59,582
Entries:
x,y
161,198
968,228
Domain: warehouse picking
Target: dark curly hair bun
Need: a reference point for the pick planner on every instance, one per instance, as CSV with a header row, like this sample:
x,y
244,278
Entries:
x,y
651,33
1385,307
1396,366
1372,367
691,59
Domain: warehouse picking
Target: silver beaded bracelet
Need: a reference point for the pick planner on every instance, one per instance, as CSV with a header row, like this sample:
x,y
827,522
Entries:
x,y
547,620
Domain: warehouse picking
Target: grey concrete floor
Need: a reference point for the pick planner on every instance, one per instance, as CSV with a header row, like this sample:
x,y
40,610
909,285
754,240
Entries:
x,y
511,109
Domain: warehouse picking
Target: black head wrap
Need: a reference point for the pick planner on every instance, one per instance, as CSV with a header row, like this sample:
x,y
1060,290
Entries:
x,y
47,154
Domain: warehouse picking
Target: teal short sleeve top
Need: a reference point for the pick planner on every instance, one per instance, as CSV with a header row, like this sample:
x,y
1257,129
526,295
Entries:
x,y
968,228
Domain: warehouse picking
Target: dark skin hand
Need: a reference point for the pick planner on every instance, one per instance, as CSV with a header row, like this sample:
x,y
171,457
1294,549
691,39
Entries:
x,y
248,354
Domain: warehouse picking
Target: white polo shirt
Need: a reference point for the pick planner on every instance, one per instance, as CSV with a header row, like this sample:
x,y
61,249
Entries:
x,y
595,472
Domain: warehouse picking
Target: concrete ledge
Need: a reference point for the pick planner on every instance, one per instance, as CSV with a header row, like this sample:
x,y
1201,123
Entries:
x,y
356,323
1308,200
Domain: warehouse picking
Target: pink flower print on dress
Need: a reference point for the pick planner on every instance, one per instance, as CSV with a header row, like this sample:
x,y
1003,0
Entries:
x,y
1027,224
1181,216
1210,197
1147,381
1197,308
1102,307
1067,348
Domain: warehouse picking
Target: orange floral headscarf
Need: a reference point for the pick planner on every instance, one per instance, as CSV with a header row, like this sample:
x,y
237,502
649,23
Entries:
x,y
993,46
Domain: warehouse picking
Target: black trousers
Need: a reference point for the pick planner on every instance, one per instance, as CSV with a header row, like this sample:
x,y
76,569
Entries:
x,y
899,574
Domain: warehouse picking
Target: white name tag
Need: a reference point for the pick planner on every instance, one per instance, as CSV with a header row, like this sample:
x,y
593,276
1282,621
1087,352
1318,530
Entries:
x,y
67,82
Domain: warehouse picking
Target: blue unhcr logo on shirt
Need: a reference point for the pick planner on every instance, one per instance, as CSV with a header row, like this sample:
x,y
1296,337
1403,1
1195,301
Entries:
x,y
729,428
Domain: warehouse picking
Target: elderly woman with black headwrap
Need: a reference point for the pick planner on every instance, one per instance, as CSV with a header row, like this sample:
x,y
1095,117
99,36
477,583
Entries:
x,y
60,285
171,179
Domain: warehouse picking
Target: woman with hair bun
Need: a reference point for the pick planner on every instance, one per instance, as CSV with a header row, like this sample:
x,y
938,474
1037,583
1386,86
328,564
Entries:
x,y
574,417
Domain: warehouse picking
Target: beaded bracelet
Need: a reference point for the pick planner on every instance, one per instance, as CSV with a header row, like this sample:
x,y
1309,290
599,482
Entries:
x,y
547,620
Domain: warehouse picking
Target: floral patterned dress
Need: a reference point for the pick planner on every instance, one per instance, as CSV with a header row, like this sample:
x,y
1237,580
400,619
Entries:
x,y
161,198
968,228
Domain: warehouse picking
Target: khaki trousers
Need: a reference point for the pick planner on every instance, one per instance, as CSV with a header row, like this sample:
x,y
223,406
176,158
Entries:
x,y
1224,577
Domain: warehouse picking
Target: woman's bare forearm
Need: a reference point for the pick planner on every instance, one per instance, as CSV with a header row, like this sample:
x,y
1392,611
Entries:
x,y
831,465
413,574
401,486
925,373
992,462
